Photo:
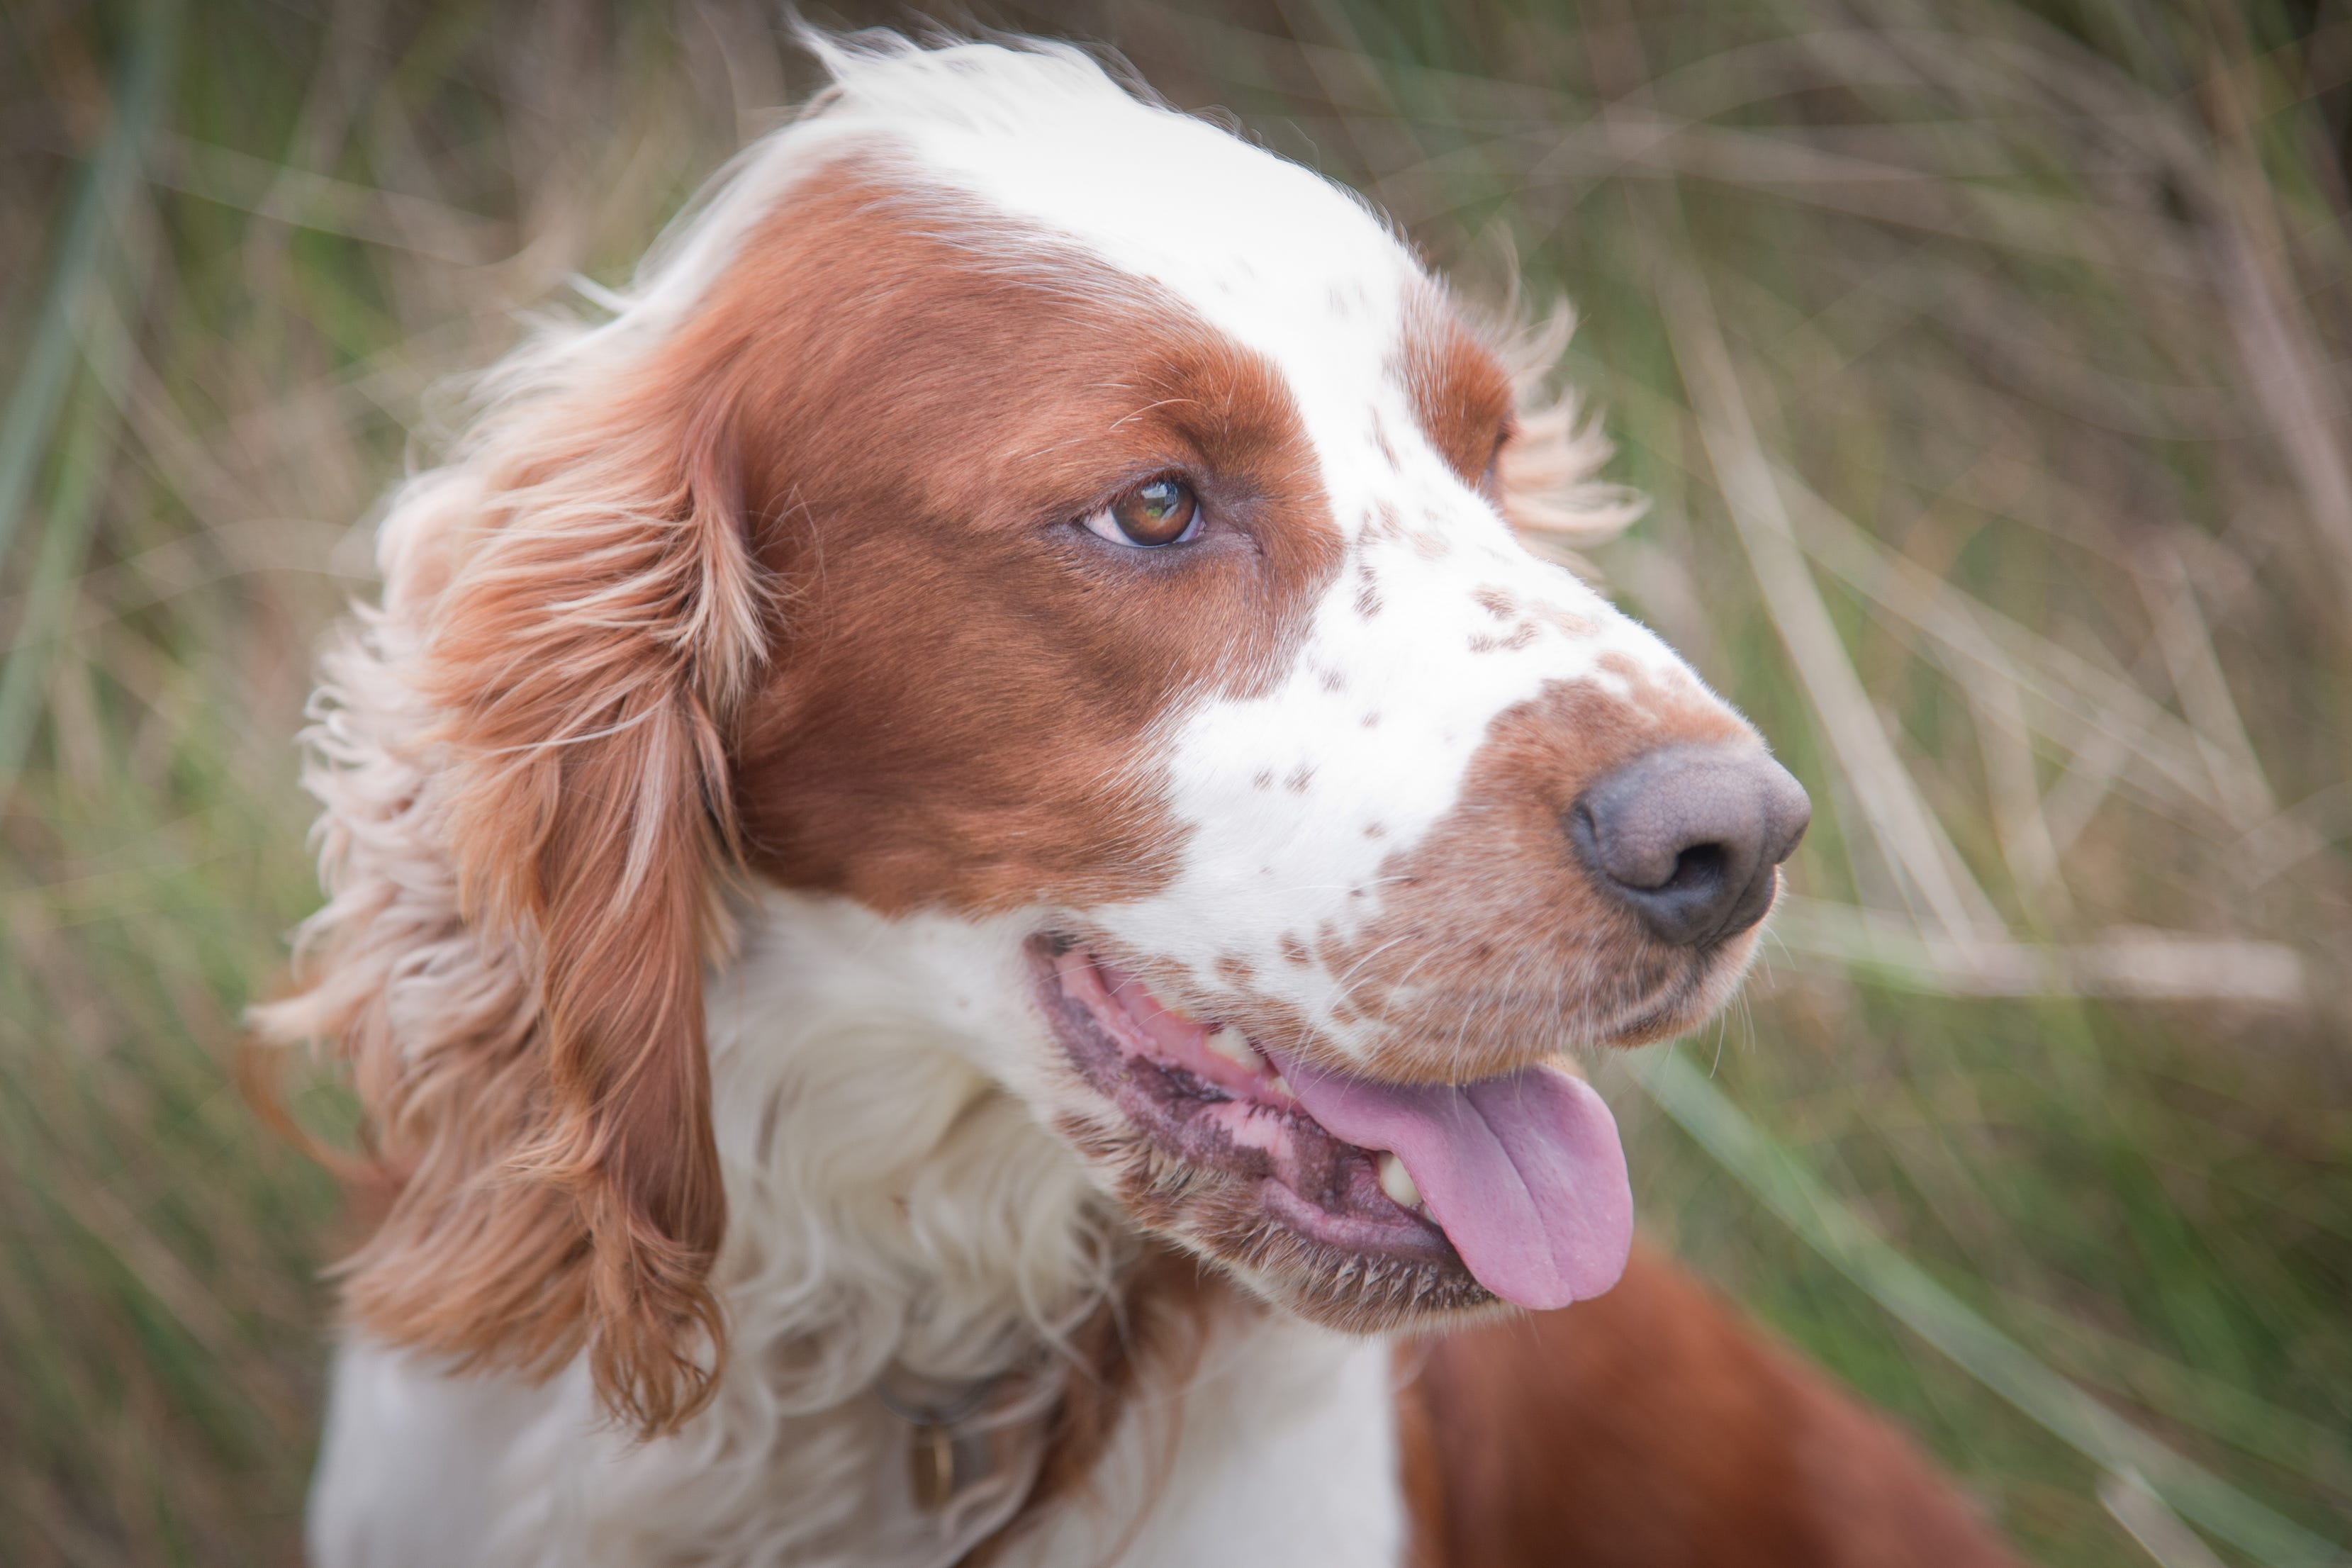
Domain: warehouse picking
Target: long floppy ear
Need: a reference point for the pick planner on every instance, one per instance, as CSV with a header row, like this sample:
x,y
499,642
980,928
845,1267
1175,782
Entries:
x,y
524,763
586,657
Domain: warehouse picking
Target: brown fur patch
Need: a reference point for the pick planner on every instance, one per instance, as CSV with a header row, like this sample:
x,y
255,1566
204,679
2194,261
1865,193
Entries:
x,y
593,627
1462,395
1651,1428
957,716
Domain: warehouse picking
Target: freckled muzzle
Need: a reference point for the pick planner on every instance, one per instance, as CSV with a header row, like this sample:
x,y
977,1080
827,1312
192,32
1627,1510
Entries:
x,y
1611,848
1690,838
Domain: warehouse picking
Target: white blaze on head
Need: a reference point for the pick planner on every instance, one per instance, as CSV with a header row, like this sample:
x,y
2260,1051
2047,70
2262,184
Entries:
x,y
1273,255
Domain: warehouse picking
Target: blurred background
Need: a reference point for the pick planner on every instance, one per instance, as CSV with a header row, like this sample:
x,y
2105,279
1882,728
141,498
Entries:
x,y
1985,360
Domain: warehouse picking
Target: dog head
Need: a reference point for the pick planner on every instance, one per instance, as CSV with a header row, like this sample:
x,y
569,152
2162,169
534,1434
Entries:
x,y
1079,546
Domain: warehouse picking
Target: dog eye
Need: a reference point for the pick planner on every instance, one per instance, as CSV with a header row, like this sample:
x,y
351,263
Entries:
x,y
1159,511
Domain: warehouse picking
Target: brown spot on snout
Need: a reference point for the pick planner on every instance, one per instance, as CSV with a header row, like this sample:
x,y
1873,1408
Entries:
x,y
1512,641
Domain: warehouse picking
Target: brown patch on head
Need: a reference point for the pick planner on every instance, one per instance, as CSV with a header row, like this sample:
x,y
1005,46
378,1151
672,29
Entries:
x,y
957,715
1462,395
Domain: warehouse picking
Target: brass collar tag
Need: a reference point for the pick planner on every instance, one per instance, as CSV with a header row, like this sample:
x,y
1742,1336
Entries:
x,y
947,1452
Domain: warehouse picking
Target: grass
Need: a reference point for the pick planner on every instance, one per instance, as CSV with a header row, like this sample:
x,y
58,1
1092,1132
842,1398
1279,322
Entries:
x,y
1986,364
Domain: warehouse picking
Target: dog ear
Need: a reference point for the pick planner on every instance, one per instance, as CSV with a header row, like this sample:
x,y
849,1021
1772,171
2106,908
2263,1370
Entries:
x,y
598,638
526,774
1549,472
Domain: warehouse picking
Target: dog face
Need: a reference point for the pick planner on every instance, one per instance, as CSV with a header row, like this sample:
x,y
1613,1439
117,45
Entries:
x,y
1155,610
1043,527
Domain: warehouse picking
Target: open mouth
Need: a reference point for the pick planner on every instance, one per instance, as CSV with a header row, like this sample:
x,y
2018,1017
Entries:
x,y
1516,1180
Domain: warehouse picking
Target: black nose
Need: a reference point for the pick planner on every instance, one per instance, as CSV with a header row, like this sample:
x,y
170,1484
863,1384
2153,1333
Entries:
x,y
1688,837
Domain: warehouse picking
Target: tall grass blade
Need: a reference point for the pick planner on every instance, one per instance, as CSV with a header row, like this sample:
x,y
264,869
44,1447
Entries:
x,y
1914,841
38,396
82,468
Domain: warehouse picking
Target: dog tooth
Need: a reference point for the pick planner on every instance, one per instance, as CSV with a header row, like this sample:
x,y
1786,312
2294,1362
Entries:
x,y
1233,1045
1281,1086
1397,1182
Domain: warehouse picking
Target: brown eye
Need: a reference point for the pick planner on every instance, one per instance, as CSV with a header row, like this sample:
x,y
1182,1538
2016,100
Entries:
x,y
1159,511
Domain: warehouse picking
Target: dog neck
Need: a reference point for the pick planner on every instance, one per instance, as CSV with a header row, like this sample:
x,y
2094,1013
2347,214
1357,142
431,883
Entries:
x,y
900,1221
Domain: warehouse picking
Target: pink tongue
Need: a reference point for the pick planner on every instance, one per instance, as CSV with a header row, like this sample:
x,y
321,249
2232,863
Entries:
x,y
1524,1173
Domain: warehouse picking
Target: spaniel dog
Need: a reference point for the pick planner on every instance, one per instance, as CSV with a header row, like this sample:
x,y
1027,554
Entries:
x,y
961,858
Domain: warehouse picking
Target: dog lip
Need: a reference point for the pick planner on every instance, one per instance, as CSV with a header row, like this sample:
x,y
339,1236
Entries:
x,y
1218,1054
1306,1179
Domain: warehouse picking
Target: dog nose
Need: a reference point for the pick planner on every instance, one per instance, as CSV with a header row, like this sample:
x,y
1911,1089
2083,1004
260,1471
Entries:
x,y
1688,837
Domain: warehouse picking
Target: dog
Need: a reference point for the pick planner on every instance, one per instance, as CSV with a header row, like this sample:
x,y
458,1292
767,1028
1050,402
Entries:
x,y
962,859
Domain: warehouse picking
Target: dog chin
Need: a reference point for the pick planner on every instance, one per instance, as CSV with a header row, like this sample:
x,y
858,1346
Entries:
x,y
1701,989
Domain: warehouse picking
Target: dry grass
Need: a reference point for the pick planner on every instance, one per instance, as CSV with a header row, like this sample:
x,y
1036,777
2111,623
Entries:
x,y
1987,363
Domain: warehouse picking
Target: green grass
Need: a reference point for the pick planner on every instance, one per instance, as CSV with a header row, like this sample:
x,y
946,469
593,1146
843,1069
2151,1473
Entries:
x,y
1986,364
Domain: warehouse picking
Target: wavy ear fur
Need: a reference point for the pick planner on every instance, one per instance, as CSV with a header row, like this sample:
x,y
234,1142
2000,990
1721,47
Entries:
x,y
524,765
1550,471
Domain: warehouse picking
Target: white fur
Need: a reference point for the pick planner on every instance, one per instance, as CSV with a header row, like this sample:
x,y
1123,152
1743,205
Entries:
x,y
1284,1451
